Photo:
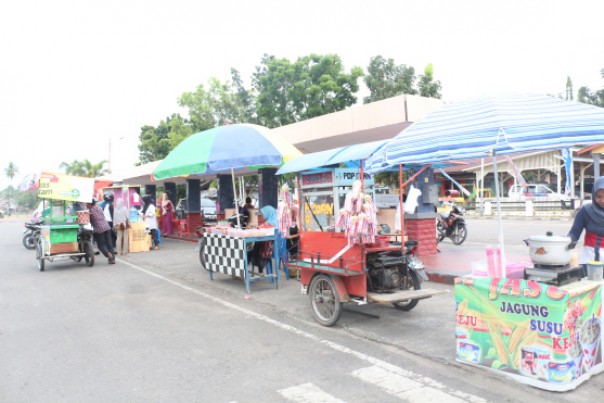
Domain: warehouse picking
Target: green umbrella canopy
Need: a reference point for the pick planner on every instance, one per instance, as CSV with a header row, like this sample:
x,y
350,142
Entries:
x,y
224,148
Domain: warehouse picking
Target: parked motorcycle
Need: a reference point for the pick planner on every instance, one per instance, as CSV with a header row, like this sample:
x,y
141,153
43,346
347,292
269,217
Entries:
x,y
390,271
31,235
452,225
232,220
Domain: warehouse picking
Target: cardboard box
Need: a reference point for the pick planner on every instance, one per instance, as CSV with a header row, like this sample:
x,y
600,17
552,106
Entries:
x,y
139,239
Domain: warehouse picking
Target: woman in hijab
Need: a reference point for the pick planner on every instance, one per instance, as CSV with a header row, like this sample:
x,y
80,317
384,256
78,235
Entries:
x,y
148,213
167,214
266,248
590,218
121,223
270,215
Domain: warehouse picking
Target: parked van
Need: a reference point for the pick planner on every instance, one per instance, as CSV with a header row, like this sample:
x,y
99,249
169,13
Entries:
x,y
532,191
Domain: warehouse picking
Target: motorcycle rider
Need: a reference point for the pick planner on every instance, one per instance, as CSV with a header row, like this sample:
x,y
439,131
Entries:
x,y
446,207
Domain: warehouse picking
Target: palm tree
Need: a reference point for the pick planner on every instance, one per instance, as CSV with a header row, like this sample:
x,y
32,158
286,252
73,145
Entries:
x,y
11,170
84,168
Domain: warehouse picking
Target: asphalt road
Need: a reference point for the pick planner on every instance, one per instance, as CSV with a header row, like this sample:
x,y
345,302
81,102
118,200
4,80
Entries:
x,y
153,327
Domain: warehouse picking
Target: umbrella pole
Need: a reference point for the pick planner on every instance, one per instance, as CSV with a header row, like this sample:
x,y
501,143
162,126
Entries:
x,y
235,196
401,204
497,195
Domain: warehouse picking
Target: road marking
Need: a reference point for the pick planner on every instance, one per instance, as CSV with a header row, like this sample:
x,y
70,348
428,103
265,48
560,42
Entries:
x,y
425,381
308,393
408,389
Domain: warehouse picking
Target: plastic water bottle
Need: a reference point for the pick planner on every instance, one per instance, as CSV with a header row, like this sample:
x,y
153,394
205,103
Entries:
x,y
133,214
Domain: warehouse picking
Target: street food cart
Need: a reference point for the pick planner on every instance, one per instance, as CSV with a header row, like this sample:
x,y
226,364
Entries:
x,y
225,250
340,256
544,335
63,233
544,329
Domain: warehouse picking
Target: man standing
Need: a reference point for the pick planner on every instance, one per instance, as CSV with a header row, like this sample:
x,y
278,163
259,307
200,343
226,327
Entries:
x,y
108,212
101,230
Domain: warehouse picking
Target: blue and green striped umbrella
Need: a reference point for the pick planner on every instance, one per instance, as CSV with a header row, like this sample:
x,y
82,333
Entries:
x,y
226,148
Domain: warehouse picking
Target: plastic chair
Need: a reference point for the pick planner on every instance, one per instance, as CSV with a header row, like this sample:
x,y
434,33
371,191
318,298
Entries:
x,y
183,228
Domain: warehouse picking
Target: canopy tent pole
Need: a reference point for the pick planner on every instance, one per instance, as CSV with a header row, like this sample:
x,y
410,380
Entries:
x,y
299,214
412,178
362,166
401,206
236,199
463,190
497,195
481,188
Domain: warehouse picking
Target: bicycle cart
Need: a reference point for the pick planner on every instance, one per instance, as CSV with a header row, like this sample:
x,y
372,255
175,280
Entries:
x,y
65,232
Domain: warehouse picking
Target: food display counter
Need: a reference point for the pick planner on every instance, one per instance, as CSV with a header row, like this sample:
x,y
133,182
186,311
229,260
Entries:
x,y
226,251
539,334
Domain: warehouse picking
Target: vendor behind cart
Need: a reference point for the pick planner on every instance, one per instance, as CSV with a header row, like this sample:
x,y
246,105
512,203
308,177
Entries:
x,y
101,230
591,219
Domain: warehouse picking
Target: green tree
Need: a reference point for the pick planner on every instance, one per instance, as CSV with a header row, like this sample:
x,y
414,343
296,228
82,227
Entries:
x,y
27,200
156,142
587,96
385,79
314,85
247,98
10,171
217,105
84,168
427,86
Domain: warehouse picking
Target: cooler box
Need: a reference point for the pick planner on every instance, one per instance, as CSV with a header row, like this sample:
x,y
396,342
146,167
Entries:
x,y
60,238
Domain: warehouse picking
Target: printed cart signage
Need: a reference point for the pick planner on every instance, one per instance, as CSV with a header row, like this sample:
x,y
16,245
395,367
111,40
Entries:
x,y
65,187
536,333
335,177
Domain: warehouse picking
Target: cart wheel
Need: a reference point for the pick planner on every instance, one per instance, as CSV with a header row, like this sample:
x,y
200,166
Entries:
x,y
40,255
324,300
411,303
459,234
89,251
202,258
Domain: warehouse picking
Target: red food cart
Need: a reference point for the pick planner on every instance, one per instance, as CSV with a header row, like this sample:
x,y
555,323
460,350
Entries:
x,y
341,258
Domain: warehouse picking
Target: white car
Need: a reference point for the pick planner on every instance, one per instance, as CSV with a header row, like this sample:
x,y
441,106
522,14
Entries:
x,y
533,191
208,207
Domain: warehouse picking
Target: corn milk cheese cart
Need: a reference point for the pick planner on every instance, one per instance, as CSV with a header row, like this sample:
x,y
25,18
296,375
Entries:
x,y
65,232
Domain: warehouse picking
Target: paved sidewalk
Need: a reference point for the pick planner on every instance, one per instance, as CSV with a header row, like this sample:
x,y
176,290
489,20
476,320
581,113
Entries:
x,y
453,261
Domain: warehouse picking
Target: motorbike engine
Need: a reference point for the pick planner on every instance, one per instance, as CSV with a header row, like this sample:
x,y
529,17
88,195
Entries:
x,y
386,272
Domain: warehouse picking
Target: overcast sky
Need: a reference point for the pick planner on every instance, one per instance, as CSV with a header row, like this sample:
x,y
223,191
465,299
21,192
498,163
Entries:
x,y
77,74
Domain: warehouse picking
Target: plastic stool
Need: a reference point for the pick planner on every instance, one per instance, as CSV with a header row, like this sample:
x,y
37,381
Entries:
x,y
183,228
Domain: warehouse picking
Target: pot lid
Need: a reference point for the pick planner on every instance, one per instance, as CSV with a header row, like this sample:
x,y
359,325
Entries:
x,y
549,237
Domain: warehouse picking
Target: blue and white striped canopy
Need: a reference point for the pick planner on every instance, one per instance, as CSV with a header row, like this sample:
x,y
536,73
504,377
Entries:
x,y
338,155
476,128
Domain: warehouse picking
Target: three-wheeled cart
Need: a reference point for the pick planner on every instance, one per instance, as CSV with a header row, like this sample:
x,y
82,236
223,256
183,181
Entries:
x,y
336,266
65,232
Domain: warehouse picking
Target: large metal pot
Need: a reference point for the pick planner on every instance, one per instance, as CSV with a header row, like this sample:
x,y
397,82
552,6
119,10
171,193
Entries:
x,y
549,249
